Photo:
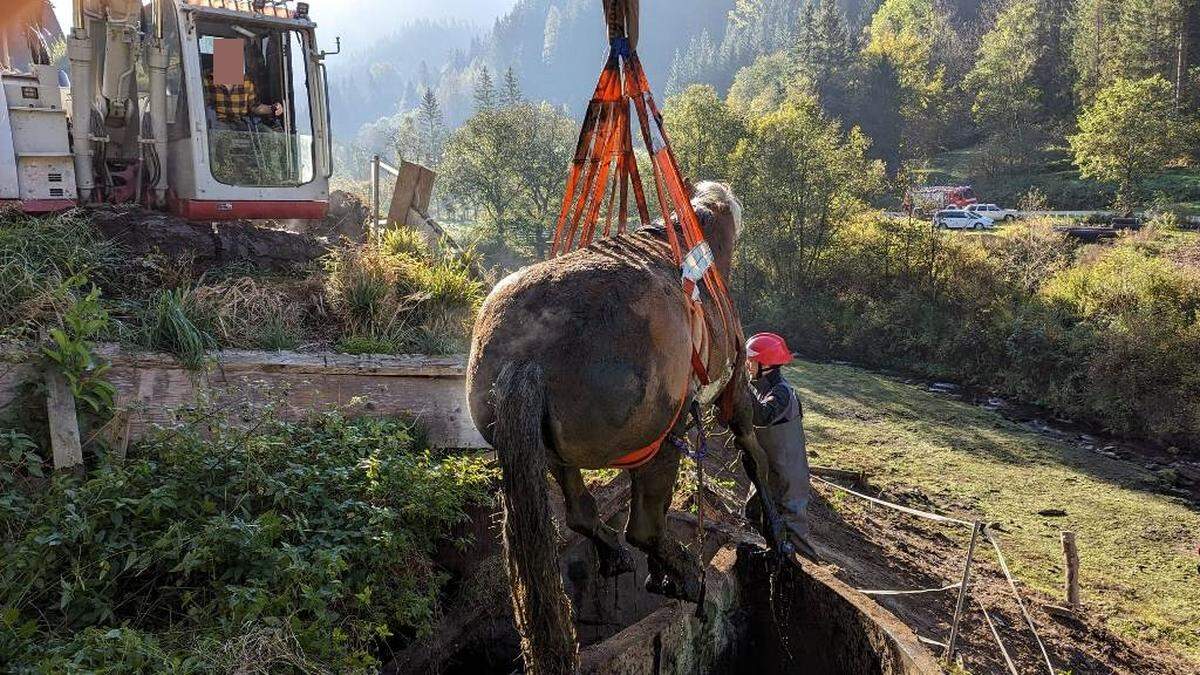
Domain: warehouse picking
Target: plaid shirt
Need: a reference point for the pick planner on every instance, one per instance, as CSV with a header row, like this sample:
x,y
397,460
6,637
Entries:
x,y
230,103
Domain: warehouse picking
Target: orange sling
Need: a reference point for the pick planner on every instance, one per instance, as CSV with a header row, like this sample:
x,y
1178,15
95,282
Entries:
x,y
603,171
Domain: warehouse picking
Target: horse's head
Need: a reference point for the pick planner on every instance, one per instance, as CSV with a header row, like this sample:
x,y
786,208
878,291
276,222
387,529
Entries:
x,y
720,215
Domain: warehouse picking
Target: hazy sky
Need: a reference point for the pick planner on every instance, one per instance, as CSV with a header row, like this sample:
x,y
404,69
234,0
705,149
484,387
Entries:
x,y
362,20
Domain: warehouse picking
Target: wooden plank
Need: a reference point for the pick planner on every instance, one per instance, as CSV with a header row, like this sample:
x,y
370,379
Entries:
x,y
64,424
414,190
152,389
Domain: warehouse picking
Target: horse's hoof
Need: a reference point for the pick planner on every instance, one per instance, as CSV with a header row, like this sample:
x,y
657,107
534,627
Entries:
x,y
616,562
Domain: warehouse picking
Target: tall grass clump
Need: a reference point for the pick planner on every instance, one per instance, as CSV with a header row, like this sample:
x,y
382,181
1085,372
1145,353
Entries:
x,y
393,294
38,255
174,322
288,547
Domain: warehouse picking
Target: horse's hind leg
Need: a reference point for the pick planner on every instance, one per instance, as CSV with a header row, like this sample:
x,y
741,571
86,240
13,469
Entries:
x,y
584,517
653,487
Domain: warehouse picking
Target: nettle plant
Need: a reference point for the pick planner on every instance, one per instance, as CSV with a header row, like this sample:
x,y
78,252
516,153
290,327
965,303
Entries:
x,y
72,352
236,542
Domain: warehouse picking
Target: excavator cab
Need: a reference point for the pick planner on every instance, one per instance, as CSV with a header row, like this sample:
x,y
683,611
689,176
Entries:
x,y
247,111
213,109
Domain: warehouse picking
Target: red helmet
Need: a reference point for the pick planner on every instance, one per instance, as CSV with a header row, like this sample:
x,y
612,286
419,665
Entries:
x,y
768,350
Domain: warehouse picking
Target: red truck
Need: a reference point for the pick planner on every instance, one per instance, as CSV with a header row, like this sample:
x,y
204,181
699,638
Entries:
x,y
929,200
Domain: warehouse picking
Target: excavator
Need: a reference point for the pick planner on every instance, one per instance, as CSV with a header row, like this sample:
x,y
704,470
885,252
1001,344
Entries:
x,y
209,109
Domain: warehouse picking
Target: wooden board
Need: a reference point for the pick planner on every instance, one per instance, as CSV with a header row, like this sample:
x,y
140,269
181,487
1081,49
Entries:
x,y
153,389
64,424
414,189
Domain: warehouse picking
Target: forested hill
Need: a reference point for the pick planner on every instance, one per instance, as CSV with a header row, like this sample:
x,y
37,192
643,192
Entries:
x,y
388,76
556,48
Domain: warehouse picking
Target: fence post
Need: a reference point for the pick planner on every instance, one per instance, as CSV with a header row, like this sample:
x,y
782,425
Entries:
x,y
1071,558
375,196
962,593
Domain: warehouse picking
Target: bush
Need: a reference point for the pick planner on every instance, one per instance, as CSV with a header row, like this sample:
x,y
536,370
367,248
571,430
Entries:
x,y
1106,334
249,314
283,547
173,322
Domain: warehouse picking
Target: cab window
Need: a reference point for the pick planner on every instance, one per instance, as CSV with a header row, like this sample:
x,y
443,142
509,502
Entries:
x,y
258,115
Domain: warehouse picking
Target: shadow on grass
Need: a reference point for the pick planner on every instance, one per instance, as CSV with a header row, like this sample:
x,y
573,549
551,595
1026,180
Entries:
x,y
878,405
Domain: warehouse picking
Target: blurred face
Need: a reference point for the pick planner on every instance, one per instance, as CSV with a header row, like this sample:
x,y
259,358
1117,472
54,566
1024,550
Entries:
x,y
229,61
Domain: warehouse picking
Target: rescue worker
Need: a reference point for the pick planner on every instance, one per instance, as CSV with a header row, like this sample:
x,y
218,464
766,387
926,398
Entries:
x,y
779,426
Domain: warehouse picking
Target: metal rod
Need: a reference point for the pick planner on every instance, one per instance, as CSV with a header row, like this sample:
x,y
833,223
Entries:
x,y
375,192
962,593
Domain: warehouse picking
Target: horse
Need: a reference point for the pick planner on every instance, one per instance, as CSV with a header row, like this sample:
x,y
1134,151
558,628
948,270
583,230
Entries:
x,y
579,360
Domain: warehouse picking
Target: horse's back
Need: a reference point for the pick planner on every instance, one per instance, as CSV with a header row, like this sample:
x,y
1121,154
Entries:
x,y
608,325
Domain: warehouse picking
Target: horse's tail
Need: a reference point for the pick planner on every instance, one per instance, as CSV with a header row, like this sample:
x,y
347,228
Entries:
x,y
542,609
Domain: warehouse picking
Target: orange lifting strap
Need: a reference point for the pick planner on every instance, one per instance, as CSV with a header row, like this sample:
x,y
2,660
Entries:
x,y
605,171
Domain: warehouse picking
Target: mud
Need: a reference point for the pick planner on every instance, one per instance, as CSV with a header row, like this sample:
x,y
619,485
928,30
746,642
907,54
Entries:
x,y
208,245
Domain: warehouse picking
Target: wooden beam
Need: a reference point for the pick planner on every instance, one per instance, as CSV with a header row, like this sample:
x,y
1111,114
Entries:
x,y
64,424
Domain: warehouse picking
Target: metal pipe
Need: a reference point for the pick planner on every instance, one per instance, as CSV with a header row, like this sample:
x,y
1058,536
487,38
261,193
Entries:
x,y
79,51
158,114
962,593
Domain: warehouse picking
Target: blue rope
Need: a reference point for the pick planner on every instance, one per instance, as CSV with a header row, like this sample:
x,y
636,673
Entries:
x,y
620,47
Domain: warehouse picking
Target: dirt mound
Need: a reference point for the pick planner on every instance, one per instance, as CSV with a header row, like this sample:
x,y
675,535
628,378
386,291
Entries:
x,y
206,245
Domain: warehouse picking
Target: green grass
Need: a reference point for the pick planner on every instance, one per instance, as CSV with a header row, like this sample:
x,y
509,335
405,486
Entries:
x,y
1058,179
1138,565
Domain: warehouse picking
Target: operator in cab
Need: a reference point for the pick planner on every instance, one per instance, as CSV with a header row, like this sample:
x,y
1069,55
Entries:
x,y
779,427
230,95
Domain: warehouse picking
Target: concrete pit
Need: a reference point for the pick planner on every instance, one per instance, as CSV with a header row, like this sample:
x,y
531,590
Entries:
x,y
759,617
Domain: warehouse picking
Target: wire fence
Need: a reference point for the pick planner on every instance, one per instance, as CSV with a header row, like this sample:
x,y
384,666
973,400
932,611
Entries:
x,y
978,528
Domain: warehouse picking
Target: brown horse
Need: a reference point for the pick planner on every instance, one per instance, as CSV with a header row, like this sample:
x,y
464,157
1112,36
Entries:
x,y
575,363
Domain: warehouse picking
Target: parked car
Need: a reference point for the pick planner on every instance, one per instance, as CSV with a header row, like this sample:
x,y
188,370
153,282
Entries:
x,y
959,219
994,212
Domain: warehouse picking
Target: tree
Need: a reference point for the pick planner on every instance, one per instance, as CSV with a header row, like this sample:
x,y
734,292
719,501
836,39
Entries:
x,y
551,35
704,132
1128,133
764,85
691,66
507,166
431,129
911,33
547,139
801,178
1133,39
479,168
878,102
512,89
406,139
1007,100
826,54
485,91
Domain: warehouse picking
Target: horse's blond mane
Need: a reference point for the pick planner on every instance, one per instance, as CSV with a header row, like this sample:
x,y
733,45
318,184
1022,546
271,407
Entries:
x,y
713,196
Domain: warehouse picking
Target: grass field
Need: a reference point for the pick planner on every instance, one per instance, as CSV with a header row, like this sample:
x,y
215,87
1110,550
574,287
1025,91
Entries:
x,y
1059,180
1137,546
